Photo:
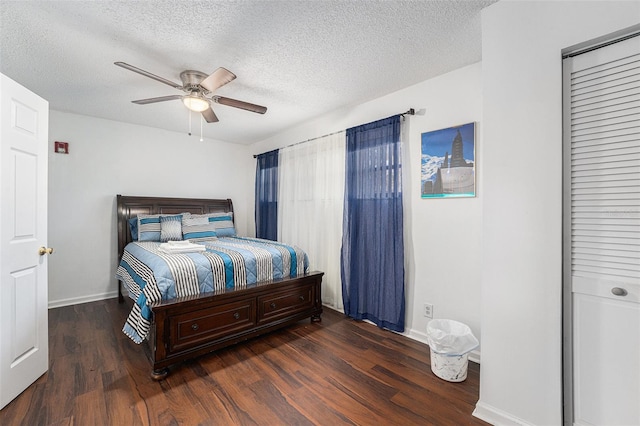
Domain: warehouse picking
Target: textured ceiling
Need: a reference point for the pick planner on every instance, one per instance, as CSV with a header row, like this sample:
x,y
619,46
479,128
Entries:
x,y
299,58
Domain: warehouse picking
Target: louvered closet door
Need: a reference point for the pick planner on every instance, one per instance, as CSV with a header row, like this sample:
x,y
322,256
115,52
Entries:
x,y
604,191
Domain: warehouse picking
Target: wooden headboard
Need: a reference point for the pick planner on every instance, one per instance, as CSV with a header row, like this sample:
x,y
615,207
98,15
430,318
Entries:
x,y
130,206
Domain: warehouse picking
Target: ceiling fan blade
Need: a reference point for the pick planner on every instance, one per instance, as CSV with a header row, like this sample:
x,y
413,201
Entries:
x,y
158,99
148,74
209,116
217,79
240,104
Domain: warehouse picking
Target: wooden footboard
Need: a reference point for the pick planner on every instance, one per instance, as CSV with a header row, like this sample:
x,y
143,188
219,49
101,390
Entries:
x,y
192,326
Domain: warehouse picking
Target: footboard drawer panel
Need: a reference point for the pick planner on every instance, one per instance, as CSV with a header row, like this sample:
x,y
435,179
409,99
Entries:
x,y
283,304
193,328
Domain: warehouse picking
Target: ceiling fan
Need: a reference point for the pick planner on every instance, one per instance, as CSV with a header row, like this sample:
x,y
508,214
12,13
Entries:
x,y
199,90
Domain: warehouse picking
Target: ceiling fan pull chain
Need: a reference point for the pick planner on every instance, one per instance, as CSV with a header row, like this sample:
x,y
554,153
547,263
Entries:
x,y
201,120
189,112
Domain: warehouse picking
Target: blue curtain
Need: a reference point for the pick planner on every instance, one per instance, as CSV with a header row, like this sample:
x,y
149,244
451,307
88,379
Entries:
x,y
267,195
372,258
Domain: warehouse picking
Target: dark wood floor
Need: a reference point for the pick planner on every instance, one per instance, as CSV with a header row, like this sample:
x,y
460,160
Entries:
x,y
335,372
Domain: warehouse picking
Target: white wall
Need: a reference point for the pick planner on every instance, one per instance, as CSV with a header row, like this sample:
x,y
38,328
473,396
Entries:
x,y
108,158
521,377
442,235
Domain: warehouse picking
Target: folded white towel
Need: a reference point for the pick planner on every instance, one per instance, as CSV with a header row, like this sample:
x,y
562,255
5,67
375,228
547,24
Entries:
x,y
178,249
181,251
180,243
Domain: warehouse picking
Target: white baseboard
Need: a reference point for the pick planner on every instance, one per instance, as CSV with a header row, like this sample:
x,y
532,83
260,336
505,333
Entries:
x,y
496,417
83,299
474,356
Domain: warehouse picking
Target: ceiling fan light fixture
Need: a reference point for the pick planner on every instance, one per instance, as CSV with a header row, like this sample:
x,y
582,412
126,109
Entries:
x,y
195,103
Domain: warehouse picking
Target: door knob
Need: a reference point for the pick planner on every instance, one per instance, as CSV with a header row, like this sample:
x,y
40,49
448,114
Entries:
x,y
45,250
619,291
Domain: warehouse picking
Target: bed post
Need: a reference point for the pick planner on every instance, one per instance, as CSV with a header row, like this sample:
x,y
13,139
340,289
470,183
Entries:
x,y
121,230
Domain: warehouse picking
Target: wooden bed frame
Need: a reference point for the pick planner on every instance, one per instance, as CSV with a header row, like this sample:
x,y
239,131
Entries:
x,y
188,327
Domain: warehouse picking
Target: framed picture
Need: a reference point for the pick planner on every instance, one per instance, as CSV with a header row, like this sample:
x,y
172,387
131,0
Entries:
x,y
448,167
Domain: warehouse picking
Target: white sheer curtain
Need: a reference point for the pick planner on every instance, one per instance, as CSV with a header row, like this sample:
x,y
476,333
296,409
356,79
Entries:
x,y
310,202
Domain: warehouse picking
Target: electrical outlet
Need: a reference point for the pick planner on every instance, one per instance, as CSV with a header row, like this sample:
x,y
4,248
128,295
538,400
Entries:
x,y
428,310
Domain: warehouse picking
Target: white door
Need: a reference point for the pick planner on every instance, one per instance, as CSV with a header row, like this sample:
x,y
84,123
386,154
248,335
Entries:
x,y
24,349
602,233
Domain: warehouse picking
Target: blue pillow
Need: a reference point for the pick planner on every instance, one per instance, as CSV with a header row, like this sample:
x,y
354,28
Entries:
x,y
171,228
133,228
223,223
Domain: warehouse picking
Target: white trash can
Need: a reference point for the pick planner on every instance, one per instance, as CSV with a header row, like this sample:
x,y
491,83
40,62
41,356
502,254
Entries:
x,y
452,368
450,343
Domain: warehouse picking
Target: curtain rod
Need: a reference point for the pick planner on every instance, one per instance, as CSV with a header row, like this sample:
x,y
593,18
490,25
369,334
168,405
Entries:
x,y
410,111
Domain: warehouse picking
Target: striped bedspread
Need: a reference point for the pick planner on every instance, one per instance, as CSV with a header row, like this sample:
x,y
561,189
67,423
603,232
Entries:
x,y
152,276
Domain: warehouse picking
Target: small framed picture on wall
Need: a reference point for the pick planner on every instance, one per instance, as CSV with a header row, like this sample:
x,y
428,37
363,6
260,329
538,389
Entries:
x,y
448,165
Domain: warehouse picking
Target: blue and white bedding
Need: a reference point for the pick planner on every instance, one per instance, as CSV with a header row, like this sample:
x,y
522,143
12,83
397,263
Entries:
x,y
152,276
